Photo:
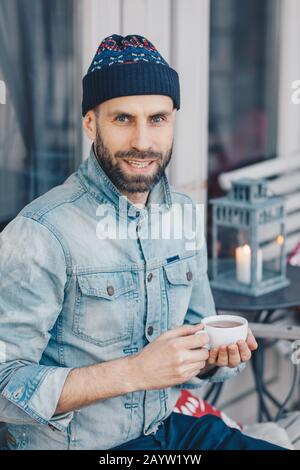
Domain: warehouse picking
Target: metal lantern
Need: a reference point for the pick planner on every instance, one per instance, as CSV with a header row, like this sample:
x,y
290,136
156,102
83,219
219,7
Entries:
x,y
248,239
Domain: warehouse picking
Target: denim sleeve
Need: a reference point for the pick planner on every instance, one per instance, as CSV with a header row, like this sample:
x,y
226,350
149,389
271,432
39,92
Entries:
x,y
201,305
32,282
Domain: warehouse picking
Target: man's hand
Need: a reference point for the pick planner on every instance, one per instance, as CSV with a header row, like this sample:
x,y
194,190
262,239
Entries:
x,y
234,354
173,358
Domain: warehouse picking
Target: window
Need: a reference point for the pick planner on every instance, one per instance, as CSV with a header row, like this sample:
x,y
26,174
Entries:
x,y
40,130
243,86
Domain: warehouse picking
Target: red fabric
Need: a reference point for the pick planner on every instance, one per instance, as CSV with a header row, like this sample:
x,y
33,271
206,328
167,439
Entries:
x,y
294,257
189,404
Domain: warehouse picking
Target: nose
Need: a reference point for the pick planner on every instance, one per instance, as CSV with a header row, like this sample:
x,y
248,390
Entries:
x,y
141,138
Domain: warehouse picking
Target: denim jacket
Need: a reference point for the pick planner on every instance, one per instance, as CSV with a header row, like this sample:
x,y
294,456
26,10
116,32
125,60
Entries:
x,y
75,294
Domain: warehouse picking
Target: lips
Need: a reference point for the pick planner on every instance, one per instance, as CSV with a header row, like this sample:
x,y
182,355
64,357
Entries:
x,y
139,162
140,165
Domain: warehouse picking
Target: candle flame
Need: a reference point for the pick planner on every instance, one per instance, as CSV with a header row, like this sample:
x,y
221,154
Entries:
x,y
280,239
246,248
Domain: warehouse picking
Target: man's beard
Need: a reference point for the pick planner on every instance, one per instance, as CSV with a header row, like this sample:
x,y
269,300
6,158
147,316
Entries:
x,y
130,183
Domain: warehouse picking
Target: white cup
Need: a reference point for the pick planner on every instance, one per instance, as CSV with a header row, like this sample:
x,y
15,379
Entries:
x,y
225,335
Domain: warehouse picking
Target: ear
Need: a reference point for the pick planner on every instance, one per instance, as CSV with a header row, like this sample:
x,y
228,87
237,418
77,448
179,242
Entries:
x,y
89,124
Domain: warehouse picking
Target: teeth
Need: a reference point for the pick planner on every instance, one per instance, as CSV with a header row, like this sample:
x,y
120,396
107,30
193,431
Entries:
x,y
138,165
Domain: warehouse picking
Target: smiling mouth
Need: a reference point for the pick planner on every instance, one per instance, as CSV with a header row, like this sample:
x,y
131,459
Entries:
x,y
141,166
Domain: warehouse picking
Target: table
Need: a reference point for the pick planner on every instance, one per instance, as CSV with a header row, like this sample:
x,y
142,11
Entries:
x,y
262,309
287,297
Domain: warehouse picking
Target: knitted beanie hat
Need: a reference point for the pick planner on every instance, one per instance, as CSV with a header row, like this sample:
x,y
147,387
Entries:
x,y
125,66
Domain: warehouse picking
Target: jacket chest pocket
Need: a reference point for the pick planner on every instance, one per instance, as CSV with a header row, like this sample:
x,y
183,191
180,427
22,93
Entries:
x,y
105,307
179,280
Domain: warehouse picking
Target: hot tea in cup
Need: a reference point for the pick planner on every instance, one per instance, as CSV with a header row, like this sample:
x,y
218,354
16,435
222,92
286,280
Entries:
x,y
225,329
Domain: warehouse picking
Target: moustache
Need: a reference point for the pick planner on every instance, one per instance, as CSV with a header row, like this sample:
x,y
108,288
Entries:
x,y
139,155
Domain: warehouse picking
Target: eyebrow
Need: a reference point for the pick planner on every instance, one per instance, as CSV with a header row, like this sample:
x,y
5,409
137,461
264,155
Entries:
x,y
119,111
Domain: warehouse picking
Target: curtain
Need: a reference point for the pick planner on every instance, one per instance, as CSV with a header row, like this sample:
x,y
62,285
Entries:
x,y
40,122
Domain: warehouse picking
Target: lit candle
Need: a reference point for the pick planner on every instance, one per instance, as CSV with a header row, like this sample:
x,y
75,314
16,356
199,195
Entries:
x,y
243,264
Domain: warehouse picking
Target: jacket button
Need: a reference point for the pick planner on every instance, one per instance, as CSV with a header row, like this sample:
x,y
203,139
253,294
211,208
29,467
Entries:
x,y
110,290
150,277
18,393
150,330
189,275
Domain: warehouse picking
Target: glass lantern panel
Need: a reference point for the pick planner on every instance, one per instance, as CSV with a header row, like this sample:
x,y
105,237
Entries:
x,y
271,240
234,254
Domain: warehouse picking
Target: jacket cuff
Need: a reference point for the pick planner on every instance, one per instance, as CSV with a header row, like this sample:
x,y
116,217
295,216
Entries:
x,y
36,390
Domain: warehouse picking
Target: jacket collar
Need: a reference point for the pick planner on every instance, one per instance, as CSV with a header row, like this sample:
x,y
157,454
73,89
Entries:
x,y
101,187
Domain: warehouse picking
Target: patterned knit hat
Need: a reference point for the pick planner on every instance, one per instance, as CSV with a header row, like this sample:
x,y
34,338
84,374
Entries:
x,y
125,66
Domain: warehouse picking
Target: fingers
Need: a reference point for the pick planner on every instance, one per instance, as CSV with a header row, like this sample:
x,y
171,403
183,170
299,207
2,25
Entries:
x,y
197,370
194,341
234,358
222,359
213,356
251,341
184,330
196,356
225,356
245,352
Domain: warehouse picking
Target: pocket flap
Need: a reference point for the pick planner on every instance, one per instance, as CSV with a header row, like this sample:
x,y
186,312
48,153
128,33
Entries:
x,y
106,285
182,272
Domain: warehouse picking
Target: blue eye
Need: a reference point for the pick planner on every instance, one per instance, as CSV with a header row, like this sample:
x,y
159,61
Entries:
x,y
156,119
121,116
159,116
